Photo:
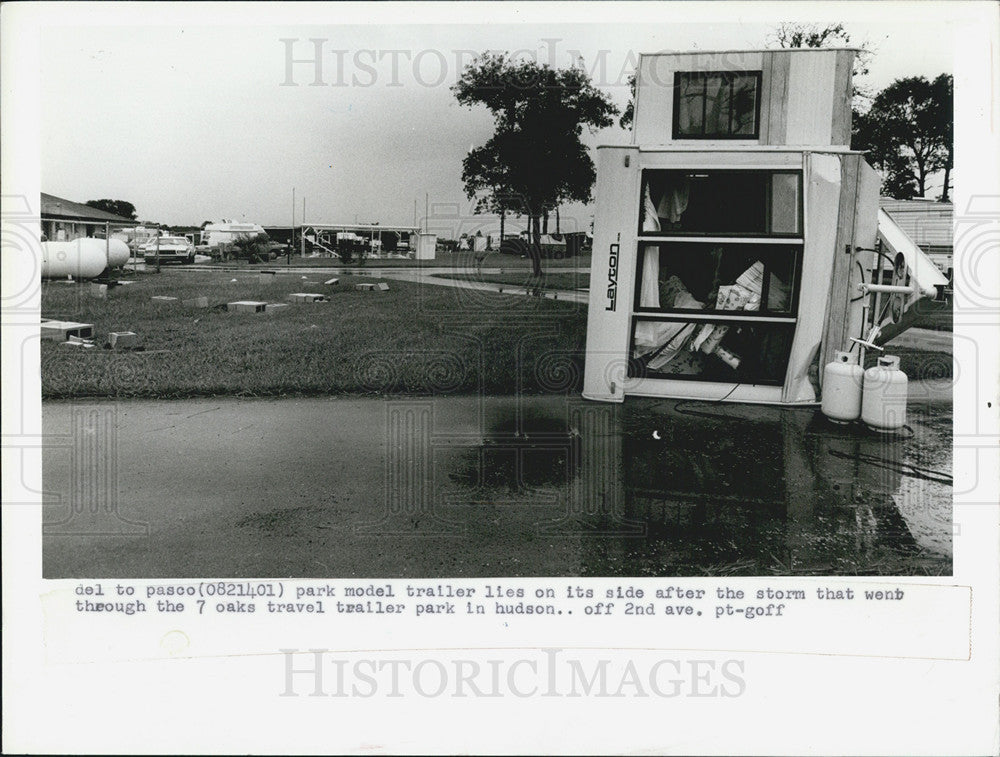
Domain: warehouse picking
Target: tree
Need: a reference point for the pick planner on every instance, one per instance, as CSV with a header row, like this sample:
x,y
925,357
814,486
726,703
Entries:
x,y
908,135
943,118
486,179
118,207
629,113
255,248
535,157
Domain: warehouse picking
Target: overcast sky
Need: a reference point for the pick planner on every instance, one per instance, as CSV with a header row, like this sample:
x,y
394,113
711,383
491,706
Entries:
x,y
193,123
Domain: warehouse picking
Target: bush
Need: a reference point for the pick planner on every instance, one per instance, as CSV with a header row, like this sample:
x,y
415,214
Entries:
x,y
253,249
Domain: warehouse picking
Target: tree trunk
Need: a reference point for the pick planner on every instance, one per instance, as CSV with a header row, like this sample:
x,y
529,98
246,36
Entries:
x,y
921,176
947,180
557,219
545,222
503,218
534,246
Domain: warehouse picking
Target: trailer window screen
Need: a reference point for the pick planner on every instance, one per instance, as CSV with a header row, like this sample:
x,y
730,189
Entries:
x,y
716,105
731,351
721,203
717,278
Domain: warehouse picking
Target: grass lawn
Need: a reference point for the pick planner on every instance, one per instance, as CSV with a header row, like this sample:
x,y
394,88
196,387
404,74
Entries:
x,y
442,260
548,280
938,316
414,339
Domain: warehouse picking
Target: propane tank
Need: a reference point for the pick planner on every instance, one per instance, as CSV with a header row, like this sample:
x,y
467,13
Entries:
x,y
883,405
842,381
82,258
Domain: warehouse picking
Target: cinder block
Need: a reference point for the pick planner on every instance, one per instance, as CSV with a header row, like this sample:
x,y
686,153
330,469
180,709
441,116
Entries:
x,y
60,331
275,306
162,299
246,306
364,287
197,302
331,282
306,297
124,340
382,286
99,291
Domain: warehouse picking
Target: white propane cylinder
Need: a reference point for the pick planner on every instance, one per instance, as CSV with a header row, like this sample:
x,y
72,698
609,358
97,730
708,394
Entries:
x,y
842,380
883,405
82,258
118,253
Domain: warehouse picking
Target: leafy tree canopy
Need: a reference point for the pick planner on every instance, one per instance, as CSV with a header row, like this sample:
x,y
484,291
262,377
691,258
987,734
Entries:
x,y
535,159
118,207
908,134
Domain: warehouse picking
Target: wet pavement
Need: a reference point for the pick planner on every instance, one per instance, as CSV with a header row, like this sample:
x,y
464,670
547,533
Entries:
x,y
495,486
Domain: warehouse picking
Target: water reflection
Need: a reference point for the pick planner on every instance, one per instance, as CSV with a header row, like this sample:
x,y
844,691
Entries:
x,y
681,488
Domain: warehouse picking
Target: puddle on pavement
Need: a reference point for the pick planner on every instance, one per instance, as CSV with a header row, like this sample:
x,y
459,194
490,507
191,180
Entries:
x,y
530,486
684,488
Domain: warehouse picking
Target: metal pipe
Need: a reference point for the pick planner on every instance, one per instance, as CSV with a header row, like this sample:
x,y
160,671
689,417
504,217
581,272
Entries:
x,y
886,288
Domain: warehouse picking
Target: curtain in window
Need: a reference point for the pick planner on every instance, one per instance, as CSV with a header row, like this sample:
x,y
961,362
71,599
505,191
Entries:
x,y
675,200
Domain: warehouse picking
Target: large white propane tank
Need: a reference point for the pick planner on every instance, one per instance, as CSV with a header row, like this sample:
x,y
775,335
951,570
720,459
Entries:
x,y
82,258
883,405
842,380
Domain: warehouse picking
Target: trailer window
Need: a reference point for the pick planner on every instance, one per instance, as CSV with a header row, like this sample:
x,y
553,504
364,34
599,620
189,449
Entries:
x,y
716,105
731,351
721,203
717,278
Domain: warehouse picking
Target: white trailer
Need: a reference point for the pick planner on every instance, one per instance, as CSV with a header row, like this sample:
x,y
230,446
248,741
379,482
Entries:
x,y
228,231
732,237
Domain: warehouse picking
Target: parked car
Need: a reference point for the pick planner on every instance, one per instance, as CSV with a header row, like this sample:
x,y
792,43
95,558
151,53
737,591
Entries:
x,y
171,250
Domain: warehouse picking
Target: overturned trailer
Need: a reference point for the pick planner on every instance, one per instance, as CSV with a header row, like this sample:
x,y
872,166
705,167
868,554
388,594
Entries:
x,y
735,238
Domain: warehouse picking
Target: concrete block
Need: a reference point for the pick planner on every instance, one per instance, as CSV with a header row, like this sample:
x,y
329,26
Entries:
x,y
364,287
162,299
275,306
197,302
331,282
61,331
306,297
246,306
124,340
99,291
382,286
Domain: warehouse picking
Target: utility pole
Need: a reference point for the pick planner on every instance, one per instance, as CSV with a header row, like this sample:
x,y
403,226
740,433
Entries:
x,y
427,208
302,236
291,246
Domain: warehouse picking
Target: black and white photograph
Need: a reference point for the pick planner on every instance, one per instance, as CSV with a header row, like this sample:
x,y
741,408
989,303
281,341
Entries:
x,y
554,309
671,297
